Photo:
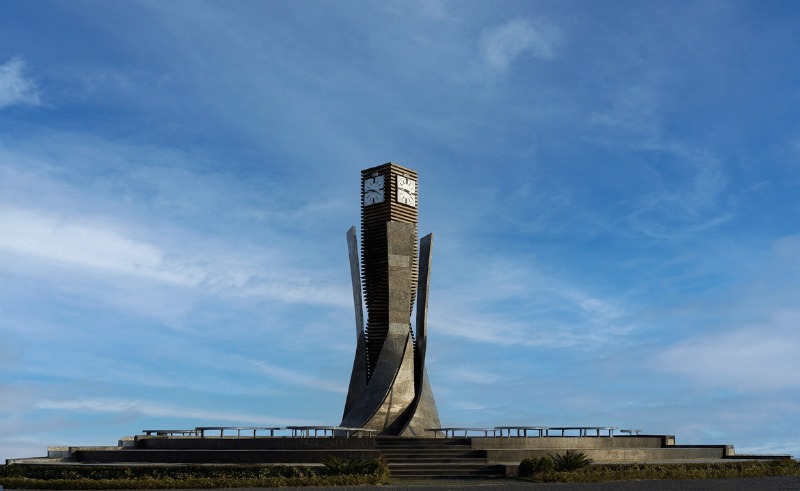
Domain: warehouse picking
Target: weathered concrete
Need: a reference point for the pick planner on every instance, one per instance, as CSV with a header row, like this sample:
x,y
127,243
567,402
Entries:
x,y
261,443
389,387
558,443
618,455
195,450
417,456
644,448
355,279
220,456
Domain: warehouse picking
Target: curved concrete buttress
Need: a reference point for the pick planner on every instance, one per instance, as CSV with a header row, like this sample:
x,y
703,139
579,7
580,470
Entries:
x,y
358,377
425,414
390,390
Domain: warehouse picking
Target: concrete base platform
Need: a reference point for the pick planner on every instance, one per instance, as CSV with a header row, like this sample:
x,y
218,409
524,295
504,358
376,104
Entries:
x,y
411,457
620,449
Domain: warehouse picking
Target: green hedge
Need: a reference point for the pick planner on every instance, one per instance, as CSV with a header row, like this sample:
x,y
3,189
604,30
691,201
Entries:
x,y
97,472
626,472
181,477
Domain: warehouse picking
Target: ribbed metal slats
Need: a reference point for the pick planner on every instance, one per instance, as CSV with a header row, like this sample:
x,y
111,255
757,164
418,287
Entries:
x,y
374,254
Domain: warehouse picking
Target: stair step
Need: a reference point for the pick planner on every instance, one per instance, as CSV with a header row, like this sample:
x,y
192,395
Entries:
x,y
424,449
423,441
436,458
449,472
475,460
412,456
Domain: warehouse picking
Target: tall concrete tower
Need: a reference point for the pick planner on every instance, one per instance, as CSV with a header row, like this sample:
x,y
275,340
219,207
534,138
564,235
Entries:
x,y
389,388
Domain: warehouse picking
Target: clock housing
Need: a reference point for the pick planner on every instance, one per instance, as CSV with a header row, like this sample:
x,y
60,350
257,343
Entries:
x,y
399,205
374,190
406,191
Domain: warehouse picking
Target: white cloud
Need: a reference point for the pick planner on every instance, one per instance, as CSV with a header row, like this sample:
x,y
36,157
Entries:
x,y
548,309
149,408
79,242
15,89
501,46
296,378
754,358
474,376
91,244
633,109
419,9
688,192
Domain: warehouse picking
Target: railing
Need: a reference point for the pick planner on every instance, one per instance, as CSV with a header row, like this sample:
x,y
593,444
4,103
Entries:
x,y
201,430
296,431
170,432
306,431
522,431
451,432
583,430
347,432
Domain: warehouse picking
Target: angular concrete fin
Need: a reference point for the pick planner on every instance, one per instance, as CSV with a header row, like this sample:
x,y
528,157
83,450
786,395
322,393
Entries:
x,y
355,278
424,282
358,377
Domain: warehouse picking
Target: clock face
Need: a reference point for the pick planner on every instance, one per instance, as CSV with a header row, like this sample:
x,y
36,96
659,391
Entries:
x,y
406,191
373,190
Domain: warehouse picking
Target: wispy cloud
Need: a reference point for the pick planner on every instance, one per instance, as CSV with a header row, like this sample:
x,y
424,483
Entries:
x,y
689,193
80,242
743,337
473,375
89,243
517,302
632,108
755,358
15,88
503,45
150,408
285,375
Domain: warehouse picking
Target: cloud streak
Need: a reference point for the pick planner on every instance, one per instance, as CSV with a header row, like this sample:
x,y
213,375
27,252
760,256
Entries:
x,y
504,45
80,242
15,88
153,409
747,359
88,243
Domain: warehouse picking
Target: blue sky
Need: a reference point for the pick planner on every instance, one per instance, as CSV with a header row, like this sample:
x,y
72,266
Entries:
x,y
613,189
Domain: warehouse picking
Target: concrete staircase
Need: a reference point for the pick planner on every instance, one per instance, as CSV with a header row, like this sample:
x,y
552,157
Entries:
x,y
426,458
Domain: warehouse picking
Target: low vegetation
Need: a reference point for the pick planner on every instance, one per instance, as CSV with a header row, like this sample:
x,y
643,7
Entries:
x,y
545,466
353,472
334,466
548,469
570,461
332,473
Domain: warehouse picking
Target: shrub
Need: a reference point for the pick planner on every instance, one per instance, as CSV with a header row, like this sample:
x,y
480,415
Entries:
x,y
334,466
570,461
526,468
544,464
381,469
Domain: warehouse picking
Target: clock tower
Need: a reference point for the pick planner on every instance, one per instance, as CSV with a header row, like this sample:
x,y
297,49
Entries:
x,y
389,389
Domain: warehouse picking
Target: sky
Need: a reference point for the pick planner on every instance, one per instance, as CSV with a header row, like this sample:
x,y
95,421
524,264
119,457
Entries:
x,y
612,188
